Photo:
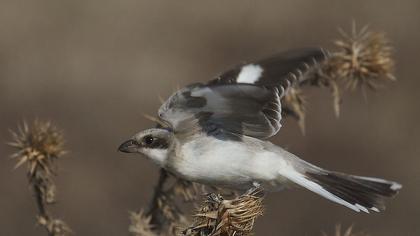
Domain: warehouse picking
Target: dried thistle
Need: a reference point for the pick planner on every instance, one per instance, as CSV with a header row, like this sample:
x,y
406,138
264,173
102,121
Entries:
x,y
39,146
347,232
227,217
363,58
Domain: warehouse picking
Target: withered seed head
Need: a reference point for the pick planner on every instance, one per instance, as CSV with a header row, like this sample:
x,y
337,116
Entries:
x,y
227,217
37,145
363,58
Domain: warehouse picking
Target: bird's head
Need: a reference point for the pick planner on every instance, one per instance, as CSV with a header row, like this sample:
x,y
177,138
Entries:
x,y
154,143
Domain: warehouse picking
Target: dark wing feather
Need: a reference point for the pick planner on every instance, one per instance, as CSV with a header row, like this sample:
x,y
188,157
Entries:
x,y
242,101
276,70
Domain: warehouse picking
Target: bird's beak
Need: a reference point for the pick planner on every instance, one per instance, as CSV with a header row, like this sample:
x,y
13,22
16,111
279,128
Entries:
x,y
128,146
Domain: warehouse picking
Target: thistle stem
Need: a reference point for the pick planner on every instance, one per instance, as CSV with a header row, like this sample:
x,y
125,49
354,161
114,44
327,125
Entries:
x,y
154,211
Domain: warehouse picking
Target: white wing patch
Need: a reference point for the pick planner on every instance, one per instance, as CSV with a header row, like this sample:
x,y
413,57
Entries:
x,y
249,74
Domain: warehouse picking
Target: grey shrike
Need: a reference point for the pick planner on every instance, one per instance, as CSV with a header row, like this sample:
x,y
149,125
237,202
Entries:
x,y
216,133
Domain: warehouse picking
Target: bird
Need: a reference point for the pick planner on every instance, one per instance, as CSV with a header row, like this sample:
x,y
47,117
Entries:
x,y
217,132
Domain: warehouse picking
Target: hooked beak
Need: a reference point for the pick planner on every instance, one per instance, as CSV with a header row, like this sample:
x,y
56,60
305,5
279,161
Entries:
x,y
129,146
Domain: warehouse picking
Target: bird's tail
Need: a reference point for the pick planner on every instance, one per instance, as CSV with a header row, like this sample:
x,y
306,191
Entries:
x,y
355,192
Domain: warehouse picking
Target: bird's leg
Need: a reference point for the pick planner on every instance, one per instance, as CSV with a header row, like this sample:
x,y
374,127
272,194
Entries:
x,y
256,185
256,188
214,198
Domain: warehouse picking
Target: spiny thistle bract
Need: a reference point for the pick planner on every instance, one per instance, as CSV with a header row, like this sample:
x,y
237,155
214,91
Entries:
x,y
220,217
363,58
39,146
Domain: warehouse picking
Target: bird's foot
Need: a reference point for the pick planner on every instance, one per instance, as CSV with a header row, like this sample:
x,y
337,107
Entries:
x,y
256,189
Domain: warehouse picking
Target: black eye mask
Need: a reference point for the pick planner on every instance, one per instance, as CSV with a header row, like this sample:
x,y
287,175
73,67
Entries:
x,y
154,142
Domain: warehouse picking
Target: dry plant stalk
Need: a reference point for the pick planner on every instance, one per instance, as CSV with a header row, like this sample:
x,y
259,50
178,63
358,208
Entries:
x,y
164,217
39,146
219,217
361,59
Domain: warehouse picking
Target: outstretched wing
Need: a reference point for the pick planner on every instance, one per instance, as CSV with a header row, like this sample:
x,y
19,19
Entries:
x,y
225,110
242,101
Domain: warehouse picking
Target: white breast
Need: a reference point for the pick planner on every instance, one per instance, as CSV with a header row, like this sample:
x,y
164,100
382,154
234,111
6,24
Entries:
x,y
227,163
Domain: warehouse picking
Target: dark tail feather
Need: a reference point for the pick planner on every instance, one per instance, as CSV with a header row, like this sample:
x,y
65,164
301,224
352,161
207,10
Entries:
x,y
364,193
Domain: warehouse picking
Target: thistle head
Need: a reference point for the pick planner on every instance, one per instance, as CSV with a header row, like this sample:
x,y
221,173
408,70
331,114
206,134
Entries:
x,y
38,145
363,58
218,216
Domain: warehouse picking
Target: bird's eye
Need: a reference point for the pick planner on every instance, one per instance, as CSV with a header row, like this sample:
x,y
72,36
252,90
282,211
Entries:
x,y
148,140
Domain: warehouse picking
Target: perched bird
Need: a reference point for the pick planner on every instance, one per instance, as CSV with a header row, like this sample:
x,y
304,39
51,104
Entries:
x,y
215,133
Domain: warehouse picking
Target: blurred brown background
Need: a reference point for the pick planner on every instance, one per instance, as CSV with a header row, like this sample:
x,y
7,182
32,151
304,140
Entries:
x,y
94,67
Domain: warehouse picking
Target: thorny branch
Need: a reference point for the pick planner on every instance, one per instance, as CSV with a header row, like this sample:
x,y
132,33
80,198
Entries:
x,y
39,146
154,211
